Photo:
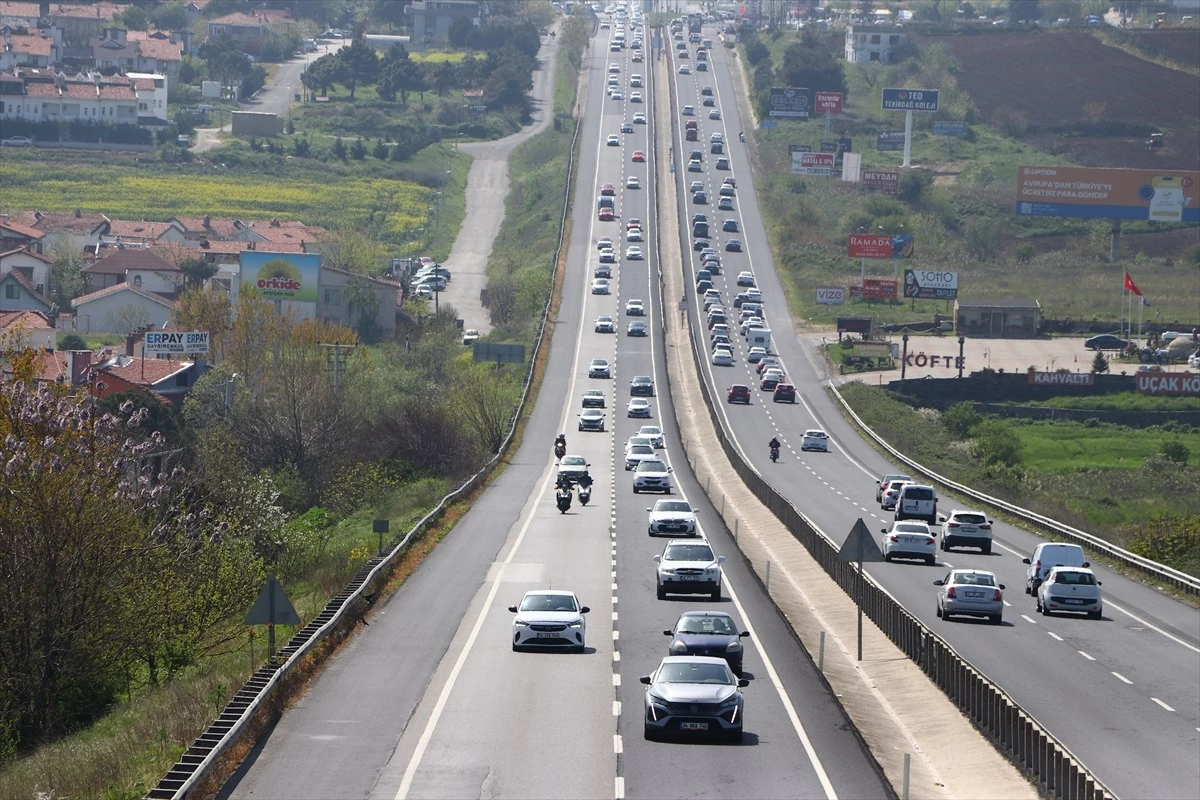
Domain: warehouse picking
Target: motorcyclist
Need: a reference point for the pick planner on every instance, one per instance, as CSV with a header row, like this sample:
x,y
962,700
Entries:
x,y
774,443
560,445
741,136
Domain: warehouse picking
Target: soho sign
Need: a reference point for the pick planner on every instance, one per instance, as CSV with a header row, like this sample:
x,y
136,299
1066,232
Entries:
x,y
921,360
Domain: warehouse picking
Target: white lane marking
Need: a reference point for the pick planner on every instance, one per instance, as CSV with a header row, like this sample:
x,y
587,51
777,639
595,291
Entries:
x,y
614,616
614,597
614,588
619,790
618,745
1085,655
1161,703
1122,678
1054,636
616,679
616,708
1008,604
616,635
616,655
1027,619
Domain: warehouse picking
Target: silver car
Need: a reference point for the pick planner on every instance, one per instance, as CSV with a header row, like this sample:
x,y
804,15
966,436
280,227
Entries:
x,y
970,591
549,618
694,694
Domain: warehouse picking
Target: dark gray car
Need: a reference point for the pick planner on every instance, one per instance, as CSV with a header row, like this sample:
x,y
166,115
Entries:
x,y
694,695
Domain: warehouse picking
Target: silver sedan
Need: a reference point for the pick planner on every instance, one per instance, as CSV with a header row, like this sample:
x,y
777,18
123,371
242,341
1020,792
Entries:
x,y
970,591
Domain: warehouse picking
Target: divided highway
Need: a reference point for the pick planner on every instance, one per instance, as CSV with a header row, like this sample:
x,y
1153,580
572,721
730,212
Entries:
x,y
1123,693
430,700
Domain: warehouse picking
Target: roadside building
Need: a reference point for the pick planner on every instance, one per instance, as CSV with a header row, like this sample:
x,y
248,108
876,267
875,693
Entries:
x,y
867,44
1012,318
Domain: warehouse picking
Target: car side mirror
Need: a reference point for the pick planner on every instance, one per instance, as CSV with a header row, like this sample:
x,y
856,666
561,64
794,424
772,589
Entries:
x,y
720,559
1024,560
668,633
649,509
658,559
645,679
939,582
513,609
744,633
883,530
990,522
1099,583
743,683
669,469
1086,564
1002,587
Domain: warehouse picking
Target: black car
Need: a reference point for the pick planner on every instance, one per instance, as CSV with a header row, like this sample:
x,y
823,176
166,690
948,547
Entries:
x,y
707,633
700,198
734,245
641,385
1106,341
700,244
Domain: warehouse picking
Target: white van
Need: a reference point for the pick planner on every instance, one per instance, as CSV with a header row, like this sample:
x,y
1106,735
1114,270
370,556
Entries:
x,y
1048,555
917,501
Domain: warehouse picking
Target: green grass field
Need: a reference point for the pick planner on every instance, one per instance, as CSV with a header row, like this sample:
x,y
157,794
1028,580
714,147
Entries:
x,y
1065,447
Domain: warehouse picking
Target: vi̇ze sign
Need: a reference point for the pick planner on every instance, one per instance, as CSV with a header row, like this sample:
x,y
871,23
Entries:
x,y
175,342
830,296
1171,383
930,284
910,99
790,103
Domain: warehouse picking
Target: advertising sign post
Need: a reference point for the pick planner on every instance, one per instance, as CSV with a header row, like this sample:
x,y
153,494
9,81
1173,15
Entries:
x,y
908,101
930,284
790,103
830,103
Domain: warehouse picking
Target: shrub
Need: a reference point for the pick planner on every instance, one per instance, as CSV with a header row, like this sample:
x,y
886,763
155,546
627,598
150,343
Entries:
x,y
1171,540
1175,450
960,418
1024,253
995,442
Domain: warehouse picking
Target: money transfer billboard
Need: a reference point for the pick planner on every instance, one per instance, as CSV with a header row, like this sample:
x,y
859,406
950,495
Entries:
x,y
790,103
1106,193
282,276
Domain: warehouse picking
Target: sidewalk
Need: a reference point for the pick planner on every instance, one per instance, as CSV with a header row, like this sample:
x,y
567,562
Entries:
x,y
895,708
487,189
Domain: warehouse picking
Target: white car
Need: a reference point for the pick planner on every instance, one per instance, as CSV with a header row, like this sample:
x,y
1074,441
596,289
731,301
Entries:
x,y
470,336
614,141
637,454
654,434
549,618
17,141
605,324
635,97
815,439
591,419
714,114
632,182
1071,589
634,253
745,278
684,69
722,357
890,495
608,256
604,243
689,568
652,475
638,407
672,516
633,235
756,354
639,118
616,95
600,286
967,529
885,483
909,539
634,308
599,368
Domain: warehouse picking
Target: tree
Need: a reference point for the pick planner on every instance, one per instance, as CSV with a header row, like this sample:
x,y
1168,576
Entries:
x,y
1100,363
1024,10
362,65
225,60
810,65
995,442
323,73
197,271
339,148
171,16
960,418
199,308
71,341
380,150
67,280
459,31
134,18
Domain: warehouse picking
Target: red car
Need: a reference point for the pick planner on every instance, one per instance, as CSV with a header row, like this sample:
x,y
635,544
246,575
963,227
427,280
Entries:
x,y
739,393
607,189
633,222
606,215
639,156
785,393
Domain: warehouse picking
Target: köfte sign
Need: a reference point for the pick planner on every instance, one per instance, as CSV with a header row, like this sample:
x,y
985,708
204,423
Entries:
x,y
910,99
790,103
1170,383
930,284
870,246
922,360
828,102
1061,378
830,296
175,342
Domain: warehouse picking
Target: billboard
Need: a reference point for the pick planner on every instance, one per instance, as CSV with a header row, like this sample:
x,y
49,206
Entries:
x,y
930,284
799,148
871,349
878,289
881,181
873,246
889,140
790,103
910,99
830,295
1037,378
814,164
282,276
175,342
827,102
1169,383
943,128
1105,193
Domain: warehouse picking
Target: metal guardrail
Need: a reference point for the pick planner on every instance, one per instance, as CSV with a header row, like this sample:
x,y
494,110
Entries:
x,y
1189,584
344,610
1014,731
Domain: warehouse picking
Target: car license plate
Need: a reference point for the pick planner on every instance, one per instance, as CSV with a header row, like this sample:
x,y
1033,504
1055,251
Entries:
x,y
974,594
547,635
1073,601
689,577
693,726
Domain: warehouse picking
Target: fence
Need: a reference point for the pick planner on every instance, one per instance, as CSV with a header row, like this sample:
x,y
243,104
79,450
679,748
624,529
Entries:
x,y
254,700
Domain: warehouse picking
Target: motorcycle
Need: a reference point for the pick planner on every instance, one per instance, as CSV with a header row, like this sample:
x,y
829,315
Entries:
x,y
585,491
560,449
563,499
741,136
774,453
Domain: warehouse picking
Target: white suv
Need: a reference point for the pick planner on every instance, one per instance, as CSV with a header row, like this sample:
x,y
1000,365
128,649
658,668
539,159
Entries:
x,y
689,568
967,529
672,516
652,475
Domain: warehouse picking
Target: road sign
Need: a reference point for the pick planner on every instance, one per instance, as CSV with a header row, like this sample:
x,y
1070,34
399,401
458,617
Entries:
x,y
768,123
272,606
790,103
828,102
499,353
930,284
799,148
889,140
860,547
943,128
910,99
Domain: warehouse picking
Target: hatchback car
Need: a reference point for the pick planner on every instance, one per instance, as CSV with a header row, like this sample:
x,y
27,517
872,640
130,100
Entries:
x,y
635,308
770,380
722,357
786,393
632,182
639,407
614,141
639,156
693,695
689,568
725,204
594,398
970,591
909,540
967,529
886,481
714,114
688,111
626,127
734,245
550,618
672,516
641,386
707,633
653,434
722,163
591,419
694,165
605,324
652,475
617,95
1072,589
600,286
889,496
745,279
639,118
815,439
599,368
636,328
756,354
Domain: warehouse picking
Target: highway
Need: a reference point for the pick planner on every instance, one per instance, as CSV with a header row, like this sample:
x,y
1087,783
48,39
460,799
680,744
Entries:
x,y
430,700
1123,693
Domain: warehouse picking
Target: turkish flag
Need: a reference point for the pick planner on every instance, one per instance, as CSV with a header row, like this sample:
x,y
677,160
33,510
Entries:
x,y
1131,286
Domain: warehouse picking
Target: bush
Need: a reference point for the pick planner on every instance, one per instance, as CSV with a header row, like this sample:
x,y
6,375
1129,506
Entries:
x,y
72,341
960,418
994,442
1024,253
1170,540
1176,451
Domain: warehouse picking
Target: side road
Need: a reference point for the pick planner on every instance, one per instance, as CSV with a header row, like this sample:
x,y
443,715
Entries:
x,y
487,190
895,708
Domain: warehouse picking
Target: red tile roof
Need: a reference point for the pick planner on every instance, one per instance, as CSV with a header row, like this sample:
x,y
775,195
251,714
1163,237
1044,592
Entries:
x,y
111,91
29,320
49,366
103,10
121,287
21,228
238,19
28,286
118,260
221,226
8,8
132,229
108,383
68,222
32,44
41,90
160,50
144,371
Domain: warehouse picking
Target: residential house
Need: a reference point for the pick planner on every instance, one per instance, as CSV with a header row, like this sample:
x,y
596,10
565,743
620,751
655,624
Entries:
x,y
14,235
373,313
20,15
873,43
137,266
277,232
52,97
80,229
194,230
121,308
128,52
161,53
163,377
124,231
20,329
34,267
37,50
80,24
431,19
250,31
1005,318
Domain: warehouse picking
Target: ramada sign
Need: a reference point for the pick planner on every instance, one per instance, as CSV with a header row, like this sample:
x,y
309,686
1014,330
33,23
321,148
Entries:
x,y
1172,383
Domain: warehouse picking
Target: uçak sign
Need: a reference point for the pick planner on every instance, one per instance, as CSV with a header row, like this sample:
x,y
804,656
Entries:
x,y
930,284
1061,378
1169,383
830,295
175,342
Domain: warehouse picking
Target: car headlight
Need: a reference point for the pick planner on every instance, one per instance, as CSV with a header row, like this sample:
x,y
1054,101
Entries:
x,y
711,571
576,624
679,648
733,647
666,571
520,623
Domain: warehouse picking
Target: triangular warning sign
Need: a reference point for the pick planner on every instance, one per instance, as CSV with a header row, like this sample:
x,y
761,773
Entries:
x,y
860,545
272,607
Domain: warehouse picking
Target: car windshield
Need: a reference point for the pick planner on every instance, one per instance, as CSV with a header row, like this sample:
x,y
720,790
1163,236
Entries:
x,y
694,673
1076,578
672,505
649,430
912,527
970,519
599,362
716,625
548,602
689,552
573,461
974,579
642,379
641,450
652,466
